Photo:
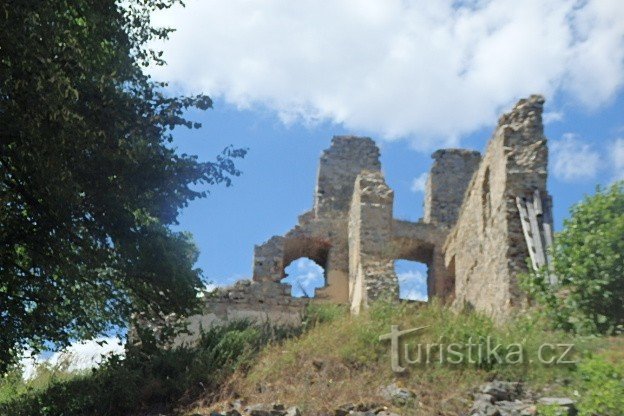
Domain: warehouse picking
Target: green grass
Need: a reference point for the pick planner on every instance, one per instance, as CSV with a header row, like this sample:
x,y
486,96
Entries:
x,y
144,380
335,359
342,360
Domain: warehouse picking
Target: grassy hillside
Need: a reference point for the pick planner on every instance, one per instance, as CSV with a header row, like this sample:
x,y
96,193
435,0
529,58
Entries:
x,y
341,360
335,359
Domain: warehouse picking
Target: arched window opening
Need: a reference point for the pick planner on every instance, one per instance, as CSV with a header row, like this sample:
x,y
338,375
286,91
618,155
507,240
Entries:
x,y
412,276
304,276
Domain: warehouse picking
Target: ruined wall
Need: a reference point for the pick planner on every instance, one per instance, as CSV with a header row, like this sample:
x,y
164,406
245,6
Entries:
x,y
339,166
259,302
486,249
321,234
423,242
450,174
371,264
471,236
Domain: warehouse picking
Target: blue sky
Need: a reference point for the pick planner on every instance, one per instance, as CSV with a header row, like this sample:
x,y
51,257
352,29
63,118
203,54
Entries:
x,y
414,75
279,174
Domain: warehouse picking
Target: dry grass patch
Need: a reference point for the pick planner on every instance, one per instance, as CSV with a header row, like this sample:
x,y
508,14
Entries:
x,y
341,360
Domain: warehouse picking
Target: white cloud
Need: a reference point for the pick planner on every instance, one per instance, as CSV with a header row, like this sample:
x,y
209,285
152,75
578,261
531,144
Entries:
x,y
414,294
419,183
413,285
412,276
552,116
429,71
573,159
304,275
617,159
81,355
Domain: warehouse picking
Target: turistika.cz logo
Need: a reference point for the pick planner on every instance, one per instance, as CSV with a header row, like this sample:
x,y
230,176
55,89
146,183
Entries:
x,y
476,351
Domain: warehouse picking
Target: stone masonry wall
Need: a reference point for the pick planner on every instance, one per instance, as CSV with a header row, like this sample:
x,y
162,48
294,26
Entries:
x,y
371,264
321,234
486,249
448,179
471,236
259,302
339,166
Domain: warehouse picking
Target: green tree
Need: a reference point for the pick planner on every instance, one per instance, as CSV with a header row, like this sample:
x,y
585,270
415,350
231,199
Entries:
x,y
588,259
89,183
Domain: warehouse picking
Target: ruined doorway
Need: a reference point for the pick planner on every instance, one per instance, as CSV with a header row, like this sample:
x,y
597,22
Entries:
x,y
412,277
305,276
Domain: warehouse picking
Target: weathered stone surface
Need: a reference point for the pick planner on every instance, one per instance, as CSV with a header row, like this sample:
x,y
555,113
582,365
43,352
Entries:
x,y
501,390
502,398
397,395
486,249
448,179
471,236
567,405
293,411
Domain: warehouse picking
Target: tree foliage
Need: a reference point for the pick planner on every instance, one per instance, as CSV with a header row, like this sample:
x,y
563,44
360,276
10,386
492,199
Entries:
x,y
589,265
89,183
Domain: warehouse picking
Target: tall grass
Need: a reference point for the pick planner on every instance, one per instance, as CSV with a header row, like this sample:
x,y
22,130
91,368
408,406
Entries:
x,y
144,380
343,360
336,358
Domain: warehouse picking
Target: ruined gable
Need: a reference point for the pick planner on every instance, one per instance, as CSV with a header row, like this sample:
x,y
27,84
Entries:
x,y
472,237
486,248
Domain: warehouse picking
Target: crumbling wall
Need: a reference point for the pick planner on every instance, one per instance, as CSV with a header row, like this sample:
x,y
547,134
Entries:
x,y
339,166
471,236
321,234
258,302
448,179
371,265
486,249
423,242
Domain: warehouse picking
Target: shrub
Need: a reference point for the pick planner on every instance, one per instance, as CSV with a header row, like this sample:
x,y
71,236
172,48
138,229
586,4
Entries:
x,y
148,378
602,387
589,264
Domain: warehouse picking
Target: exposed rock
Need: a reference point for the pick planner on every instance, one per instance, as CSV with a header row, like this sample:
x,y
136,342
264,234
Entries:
x,y
502,398
567,405
344,409
397,395
501,390
260,409
293,411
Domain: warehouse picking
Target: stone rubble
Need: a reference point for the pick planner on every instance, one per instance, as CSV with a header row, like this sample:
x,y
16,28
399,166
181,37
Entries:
x,y
494,398
502,398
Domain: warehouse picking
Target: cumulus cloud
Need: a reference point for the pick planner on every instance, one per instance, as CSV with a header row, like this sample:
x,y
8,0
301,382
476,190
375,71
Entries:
x,y
304,275
573,159
419,183
617,159
412,285
81,355
414,294
552,116
429,71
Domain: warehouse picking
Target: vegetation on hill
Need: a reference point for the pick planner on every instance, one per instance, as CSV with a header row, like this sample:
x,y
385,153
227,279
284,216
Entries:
x,y
338,359
343,361
147,379
89,181
588,259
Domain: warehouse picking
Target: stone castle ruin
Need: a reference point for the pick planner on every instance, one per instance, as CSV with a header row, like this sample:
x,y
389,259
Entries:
x,y
484,215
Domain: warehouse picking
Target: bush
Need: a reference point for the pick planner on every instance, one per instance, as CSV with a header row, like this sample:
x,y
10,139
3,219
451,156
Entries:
x,y
589,264
602,387
148,378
